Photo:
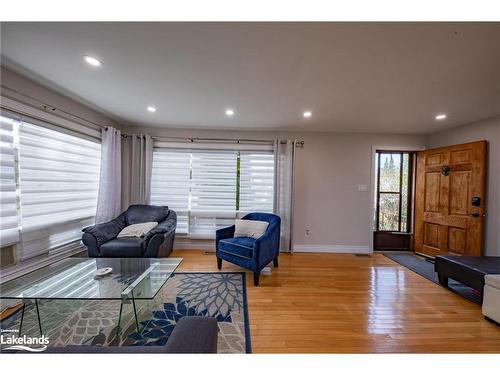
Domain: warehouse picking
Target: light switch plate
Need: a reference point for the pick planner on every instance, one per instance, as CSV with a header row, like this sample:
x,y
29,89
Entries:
x,y
362,187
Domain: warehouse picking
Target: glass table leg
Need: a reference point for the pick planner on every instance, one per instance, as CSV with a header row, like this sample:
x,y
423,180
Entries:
x,y
135,313
38,315
119,318
22,318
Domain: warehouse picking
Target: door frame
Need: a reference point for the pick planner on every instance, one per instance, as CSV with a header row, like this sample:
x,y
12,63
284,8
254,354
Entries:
x,y
373,184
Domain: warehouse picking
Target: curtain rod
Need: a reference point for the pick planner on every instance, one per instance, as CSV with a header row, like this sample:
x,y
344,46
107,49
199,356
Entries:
x,y
192,139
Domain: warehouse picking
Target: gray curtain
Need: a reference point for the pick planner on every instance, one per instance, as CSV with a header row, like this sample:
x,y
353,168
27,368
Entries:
x,y
109,197
284,158
138,163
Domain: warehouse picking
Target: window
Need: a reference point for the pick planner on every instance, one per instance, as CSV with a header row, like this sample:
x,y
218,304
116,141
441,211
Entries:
x,y
393,191
9,223
210,188
50,181
213,191
256,181
59,182
170,183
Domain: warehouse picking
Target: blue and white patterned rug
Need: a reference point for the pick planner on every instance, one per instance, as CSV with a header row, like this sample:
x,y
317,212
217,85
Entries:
x,y
221,295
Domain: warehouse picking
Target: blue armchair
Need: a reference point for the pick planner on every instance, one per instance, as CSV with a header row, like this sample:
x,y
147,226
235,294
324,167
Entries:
x,y
250,253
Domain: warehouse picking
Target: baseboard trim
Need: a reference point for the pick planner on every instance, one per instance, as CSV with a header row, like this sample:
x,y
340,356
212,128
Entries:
x,y
340,249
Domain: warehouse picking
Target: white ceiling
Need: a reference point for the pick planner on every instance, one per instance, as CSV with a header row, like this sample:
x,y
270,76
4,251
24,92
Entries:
x,y
362,77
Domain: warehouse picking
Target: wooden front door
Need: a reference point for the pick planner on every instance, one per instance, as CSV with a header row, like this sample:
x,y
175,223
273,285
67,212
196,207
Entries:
x,y
450,200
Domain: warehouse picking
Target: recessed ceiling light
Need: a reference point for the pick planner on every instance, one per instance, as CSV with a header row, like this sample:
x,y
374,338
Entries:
x,y
92,60
151,109
441,116
307,114
229,112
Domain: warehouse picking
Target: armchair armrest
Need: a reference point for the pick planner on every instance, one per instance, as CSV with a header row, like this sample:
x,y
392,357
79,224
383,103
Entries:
x,y
165,226
222,233
267,246
156,237
104,232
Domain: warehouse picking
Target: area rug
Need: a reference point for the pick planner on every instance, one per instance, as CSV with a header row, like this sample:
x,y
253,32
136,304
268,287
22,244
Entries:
x,y
73,322
425,268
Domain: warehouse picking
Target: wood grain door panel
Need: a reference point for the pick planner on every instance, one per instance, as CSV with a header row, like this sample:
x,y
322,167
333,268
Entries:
x,y
457,238
460,196
431,194
447,179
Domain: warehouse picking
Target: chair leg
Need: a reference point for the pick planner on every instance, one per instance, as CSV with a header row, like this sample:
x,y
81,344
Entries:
x,y
219,263
256,276
275,261
443,280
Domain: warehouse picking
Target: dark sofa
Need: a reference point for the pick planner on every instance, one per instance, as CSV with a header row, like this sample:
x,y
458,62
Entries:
x,y
192,334
101,239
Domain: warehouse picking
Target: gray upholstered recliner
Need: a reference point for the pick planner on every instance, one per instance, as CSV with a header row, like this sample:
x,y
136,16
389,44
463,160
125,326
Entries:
x,y
101,239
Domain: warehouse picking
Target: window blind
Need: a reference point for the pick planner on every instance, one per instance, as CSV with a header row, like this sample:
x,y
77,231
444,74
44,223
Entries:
x,y
213,191
59,180
170,183
256,182
209,188
9,224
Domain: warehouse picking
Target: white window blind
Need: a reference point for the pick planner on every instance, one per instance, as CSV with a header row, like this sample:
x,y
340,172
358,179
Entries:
x,y
59,180
256,181
9,224
170,183
203,187
213,191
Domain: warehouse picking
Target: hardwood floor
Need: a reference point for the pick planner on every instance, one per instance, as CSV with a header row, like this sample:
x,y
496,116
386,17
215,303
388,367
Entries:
x,y
340,303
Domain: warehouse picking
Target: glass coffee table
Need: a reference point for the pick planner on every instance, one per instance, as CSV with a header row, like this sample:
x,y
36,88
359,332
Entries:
x,y
131,279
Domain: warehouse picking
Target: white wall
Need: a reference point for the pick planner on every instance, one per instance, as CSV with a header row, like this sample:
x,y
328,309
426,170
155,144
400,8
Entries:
x,y
488,130
328,171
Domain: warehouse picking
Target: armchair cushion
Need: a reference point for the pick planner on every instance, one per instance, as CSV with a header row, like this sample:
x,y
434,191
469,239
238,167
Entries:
x,y
238,246
250,228
129,247
137,230
141,213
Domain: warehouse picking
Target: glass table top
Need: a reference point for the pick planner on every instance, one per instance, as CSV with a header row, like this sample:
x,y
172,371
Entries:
x,y
73,278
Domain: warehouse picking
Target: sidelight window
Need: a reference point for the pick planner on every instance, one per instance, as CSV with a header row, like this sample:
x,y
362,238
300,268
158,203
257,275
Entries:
x,y
393,191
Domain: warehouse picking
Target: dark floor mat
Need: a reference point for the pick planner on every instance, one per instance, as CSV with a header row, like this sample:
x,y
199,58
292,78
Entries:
x,y
425,269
